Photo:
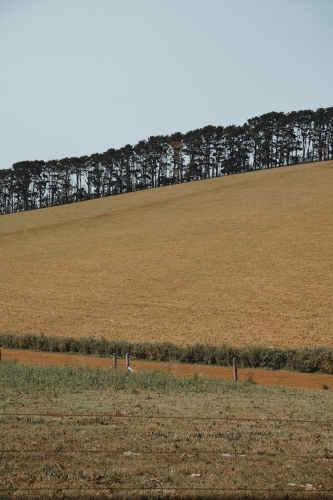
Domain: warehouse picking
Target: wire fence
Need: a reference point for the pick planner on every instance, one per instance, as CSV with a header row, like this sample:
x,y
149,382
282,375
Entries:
x,y
299,489
141,454
167,417
170,452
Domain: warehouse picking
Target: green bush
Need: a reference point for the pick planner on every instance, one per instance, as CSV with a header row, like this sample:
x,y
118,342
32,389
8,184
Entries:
x,y
326,361
274,359
305,360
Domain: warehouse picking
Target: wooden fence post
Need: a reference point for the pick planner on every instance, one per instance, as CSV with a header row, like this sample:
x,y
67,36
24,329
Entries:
x,y
234,362
114,361
128,368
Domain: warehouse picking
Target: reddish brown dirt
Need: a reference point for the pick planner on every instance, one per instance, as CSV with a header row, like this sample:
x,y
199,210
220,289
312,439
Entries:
x,y
265,377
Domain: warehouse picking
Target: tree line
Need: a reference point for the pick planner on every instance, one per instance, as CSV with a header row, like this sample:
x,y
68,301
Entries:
x,y
267,141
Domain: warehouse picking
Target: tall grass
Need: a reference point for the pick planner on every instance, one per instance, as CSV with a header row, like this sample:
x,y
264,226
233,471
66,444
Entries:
x,y
306,360
29,379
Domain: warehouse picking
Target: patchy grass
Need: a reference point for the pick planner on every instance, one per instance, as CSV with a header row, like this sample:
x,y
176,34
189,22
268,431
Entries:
x,y
158,436
241,260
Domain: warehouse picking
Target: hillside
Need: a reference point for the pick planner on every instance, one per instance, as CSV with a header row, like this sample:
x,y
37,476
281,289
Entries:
x,y
244,259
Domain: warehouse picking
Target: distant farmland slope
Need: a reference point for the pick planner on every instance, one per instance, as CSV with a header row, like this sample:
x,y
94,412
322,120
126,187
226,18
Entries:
x,y
244,259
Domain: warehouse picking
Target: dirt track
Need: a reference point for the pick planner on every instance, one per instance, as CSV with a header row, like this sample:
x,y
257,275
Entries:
x,y
265,377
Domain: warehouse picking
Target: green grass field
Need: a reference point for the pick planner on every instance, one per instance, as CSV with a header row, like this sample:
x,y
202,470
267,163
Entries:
x,y
244,259
69,433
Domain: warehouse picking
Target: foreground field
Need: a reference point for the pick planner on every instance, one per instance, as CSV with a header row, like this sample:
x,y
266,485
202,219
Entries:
x,y
243,259
78,432
265,377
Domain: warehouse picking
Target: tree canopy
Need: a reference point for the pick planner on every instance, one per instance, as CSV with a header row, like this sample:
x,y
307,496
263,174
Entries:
x,y
267,141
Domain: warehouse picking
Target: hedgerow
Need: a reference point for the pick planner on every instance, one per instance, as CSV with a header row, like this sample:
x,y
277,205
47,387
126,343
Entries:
x,y
307,360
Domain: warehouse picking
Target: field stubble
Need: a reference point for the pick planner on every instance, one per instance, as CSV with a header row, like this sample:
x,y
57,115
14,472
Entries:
x,y
242,260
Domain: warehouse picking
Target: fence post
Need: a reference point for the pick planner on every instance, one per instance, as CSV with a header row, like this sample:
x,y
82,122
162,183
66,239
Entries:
x,y
128,368
114,361
234,362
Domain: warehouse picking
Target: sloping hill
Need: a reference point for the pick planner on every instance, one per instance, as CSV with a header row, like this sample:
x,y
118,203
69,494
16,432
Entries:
x,y
245,259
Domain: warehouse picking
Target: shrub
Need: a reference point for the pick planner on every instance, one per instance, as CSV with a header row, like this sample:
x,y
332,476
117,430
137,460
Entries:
x,y
274,359
303,360
326,362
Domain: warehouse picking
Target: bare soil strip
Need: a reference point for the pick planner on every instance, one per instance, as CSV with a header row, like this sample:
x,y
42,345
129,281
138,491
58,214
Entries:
x,y
265,377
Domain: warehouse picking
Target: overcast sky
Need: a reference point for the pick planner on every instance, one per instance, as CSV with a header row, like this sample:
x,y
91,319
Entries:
x,y
81,76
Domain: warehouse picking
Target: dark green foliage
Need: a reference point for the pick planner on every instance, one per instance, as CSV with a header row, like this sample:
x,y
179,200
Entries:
x,y
268,141
326,363
307,360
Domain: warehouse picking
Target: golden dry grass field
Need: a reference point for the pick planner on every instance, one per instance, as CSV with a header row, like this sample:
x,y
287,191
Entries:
x,y
245,259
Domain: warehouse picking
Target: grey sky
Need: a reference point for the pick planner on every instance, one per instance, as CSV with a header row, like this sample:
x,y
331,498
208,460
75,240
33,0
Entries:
x,y
81,76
